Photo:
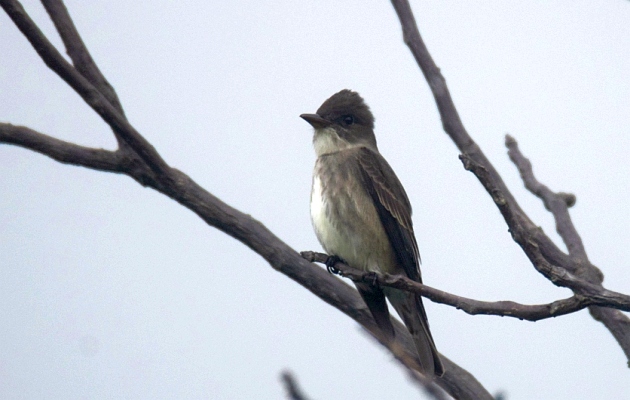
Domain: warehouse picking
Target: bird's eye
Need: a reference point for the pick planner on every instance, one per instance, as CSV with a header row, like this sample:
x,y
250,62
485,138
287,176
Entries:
x,y
348,119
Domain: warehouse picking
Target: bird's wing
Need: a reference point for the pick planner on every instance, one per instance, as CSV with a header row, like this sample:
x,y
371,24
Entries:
x,y
393,207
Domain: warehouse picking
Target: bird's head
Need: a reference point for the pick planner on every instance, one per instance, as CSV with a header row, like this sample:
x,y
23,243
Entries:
x,y
342,122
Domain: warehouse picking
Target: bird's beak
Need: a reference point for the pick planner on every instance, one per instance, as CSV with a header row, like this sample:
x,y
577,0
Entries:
x,y
315,120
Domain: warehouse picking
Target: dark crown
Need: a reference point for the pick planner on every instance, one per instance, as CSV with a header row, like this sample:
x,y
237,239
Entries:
x,y
344,103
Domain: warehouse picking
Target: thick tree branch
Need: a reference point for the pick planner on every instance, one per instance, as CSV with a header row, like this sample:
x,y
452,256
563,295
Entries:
x,y
73,154
598,295
578,274
571,270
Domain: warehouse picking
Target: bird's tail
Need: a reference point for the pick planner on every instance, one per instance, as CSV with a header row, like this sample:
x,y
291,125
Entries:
x,y
410,308
375,300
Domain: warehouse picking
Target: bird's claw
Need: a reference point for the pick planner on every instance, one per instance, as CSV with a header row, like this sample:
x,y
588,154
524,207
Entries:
x,y
330,264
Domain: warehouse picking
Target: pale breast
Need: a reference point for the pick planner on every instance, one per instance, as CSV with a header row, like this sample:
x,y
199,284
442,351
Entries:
x,y
327,233
318,208
346,222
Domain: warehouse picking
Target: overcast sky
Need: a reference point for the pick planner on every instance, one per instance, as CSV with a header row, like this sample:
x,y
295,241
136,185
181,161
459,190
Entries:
x,y
110,290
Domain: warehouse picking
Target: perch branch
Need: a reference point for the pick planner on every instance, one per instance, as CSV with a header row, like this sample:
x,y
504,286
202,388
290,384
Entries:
x,y
601,297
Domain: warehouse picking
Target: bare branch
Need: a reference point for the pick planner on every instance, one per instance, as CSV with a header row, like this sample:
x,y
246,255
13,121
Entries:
x,y
557,203
82,59
617,323
290,384
455,129
568,270
527,238
77,51
457,132
576,274
599,297
73,154
59,150
427,385
91,95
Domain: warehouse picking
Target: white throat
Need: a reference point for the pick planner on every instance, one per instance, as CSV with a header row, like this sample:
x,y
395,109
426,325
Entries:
x,y
326,141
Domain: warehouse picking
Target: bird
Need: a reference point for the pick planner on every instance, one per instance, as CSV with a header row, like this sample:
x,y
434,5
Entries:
x,y
362,216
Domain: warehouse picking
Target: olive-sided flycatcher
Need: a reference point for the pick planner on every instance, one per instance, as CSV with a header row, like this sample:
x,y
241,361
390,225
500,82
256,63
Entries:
x,y
361,214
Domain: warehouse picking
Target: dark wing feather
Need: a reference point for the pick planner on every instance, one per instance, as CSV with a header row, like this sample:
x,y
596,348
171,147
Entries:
x,y
393,207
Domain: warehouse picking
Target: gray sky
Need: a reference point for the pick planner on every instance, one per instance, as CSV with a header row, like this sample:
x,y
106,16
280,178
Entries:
x,y
110,290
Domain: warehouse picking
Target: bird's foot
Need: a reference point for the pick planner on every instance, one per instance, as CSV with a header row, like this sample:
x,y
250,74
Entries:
x,y
330,264
371,278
